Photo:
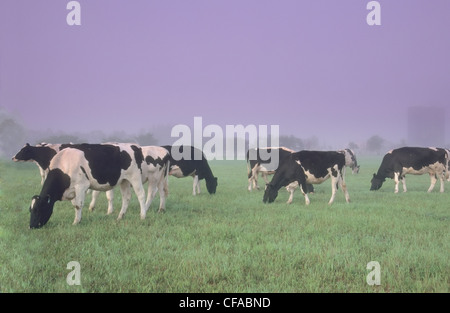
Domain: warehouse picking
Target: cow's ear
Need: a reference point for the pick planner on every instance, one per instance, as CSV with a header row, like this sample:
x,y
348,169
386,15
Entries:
x,y
27,144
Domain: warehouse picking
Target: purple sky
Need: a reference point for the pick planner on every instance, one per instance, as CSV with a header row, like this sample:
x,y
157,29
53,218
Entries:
x,y
313,67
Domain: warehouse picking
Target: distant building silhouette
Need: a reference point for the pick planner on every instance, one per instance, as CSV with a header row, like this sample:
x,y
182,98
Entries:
x,y
426,126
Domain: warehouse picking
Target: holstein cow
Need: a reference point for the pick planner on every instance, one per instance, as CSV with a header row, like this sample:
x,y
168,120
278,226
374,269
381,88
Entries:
x,y
77,168
447,173
40,154
259,161
350,161
189,161
154,171
412,160
313,167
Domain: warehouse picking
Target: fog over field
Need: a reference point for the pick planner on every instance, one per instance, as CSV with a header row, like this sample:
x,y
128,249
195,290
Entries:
x,y
317,69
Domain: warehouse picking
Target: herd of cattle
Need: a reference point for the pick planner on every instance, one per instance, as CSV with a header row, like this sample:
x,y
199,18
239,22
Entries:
x,y
68,171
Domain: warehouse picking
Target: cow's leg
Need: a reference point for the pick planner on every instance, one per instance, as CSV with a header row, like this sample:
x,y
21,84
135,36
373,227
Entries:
x,y
433,182
78,201
291,189
307,202
110,198
250,181
194,185
151,192
334,182
198,186
125,190
441,179
255,182
396,177
255,174
78,205
344,189
163,193
95,194
140,193
403,179
264,176
43,175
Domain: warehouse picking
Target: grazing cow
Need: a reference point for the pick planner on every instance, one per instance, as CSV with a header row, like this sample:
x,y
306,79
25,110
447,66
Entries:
x,y
313,167
259,160
412,160
154,171
76,168
40,154
189,161
350,161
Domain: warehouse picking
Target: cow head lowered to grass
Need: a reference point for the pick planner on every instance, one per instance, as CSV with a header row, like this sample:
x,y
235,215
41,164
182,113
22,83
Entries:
x,y
76,168
42,205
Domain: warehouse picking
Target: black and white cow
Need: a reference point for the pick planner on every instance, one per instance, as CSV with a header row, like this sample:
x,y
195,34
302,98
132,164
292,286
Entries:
x,y
76,168
189,161
447,173
412,160
154,171
40,154
309,167
350,161
259,161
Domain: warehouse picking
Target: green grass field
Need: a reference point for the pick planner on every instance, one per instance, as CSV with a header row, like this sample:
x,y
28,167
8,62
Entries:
x,y
231,241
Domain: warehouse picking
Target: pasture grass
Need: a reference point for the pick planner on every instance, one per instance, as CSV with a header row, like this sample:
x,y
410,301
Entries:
x,y
231,241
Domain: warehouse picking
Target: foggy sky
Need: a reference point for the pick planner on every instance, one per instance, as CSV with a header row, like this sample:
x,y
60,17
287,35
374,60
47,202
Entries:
x,y
312,67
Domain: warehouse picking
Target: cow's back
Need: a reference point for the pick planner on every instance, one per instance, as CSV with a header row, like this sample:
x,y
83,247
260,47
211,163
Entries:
x,y
317,162
105,163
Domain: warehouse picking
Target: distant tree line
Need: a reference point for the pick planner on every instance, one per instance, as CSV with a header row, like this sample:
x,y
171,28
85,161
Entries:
x,y
13,136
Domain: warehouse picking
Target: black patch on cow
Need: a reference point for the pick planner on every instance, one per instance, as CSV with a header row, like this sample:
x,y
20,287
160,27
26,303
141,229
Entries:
x,y
53,189
256,159
199,167
42,155
158,161
334,172
318,162
105,161
84,171
138,156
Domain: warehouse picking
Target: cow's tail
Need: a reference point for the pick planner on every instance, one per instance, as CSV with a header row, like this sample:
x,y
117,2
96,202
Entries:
x,y
166,174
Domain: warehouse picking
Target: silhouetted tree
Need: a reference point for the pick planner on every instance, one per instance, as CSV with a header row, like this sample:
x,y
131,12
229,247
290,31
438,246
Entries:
x,y
375,143
146,139
12,135
291,142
